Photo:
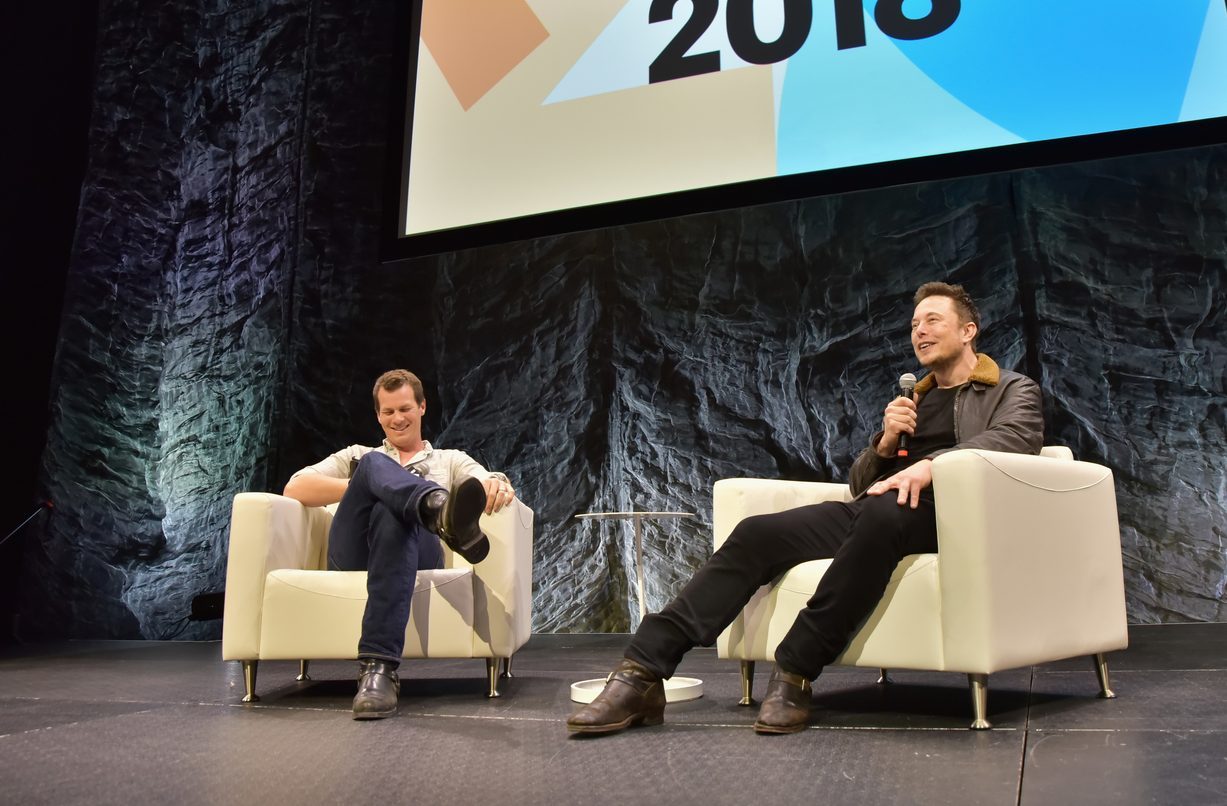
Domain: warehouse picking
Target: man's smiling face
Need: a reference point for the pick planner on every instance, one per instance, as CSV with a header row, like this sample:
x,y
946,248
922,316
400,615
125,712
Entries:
x,y
938,337
400,415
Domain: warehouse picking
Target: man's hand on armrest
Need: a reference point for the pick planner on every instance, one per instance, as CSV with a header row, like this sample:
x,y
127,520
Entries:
x,y
316,489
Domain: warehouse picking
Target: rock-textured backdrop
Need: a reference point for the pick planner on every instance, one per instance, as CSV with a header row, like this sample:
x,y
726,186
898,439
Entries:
x,y
227,312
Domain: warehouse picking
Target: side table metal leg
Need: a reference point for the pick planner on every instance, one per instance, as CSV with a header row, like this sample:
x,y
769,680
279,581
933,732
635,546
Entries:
x,y
643,605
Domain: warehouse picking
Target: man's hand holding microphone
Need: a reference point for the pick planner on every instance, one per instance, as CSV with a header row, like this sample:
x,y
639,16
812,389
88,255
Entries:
x,y
898,425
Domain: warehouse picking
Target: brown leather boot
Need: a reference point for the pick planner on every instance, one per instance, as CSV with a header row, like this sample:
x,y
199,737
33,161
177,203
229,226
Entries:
x,y
785,707
632,696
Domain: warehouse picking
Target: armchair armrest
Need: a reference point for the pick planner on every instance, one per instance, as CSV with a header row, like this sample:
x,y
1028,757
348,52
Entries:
x,y
267,532
1030,559
734,500
503,597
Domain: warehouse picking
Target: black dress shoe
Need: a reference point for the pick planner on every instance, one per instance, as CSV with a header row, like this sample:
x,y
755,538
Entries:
x,y
632,696
378,690
453,516
785,707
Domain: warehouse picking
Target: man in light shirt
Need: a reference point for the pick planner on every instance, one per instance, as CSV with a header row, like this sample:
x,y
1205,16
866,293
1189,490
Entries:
x,y
395,503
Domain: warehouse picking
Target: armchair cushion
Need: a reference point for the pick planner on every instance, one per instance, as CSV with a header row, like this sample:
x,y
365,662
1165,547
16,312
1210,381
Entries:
x,y
318,614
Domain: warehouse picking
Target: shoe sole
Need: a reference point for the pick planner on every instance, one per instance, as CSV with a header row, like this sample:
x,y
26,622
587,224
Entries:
x,y
771,730
374,714
637,721
465,505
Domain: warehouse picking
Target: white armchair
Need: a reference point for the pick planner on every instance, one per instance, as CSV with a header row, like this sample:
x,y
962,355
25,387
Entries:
x,y
1028,570
282,603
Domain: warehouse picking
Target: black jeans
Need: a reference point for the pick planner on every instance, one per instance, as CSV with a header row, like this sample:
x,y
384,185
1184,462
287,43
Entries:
x,y
378,529
866,537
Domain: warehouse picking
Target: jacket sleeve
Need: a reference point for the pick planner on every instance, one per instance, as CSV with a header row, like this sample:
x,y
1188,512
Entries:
x,y
868,467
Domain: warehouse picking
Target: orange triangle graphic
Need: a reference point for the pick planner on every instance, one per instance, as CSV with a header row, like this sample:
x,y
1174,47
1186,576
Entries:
x,y
476,43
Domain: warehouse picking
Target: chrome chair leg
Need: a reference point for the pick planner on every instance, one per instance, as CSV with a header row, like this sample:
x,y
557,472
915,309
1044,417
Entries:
x,y
492,668
1101,671
747,683
302,671
507,666
249,680
884,677
979,701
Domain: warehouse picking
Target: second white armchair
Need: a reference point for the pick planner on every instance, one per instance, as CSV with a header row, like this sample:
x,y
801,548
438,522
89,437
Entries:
x,y
1028,570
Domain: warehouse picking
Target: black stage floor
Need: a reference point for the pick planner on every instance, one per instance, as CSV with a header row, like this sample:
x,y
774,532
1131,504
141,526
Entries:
x,y
149,722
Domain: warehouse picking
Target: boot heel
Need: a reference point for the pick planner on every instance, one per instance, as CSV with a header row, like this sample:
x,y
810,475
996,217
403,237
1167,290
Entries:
x,y
654,708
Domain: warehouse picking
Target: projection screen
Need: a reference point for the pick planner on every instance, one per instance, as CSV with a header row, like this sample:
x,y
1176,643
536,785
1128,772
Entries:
x,y
528,116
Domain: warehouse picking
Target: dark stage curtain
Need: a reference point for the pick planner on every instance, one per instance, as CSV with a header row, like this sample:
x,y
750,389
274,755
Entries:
x,y
226,314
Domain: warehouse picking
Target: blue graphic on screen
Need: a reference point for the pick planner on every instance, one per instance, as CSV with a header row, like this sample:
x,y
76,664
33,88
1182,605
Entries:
x,y
1206,96
1004,72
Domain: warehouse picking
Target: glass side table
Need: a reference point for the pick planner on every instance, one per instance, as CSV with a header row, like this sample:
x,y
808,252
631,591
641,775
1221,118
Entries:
x,y
677,689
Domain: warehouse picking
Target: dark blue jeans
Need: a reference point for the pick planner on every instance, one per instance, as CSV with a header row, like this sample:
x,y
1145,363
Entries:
x,y
866,537
377,529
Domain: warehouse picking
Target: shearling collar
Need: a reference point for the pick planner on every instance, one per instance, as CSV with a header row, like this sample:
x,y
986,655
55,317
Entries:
x,y
986,372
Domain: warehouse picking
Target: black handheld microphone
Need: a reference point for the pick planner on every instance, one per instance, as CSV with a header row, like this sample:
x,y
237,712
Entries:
x,y
907,384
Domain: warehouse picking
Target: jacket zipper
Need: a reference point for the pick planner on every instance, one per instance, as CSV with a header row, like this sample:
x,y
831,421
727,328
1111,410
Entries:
x,y
958,395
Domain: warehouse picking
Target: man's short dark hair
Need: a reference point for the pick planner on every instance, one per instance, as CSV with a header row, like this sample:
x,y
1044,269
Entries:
x,y
963,303
394,379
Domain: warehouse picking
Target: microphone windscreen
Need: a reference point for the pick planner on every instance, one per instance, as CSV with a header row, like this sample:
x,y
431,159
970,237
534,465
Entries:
x,y
907,382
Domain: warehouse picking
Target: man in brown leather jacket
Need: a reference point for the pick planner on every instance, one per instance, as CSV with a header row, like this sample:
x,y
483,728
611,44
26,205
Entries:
x,y
966,401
